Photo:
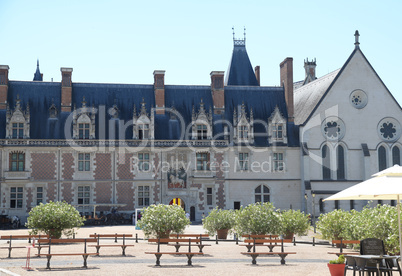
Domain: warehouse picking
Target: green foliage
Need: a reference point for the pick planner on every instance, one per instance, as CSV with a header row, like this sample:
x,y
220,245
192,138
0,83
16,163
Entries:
x,y
218,219
340,260
334,225
294,221
258,218
159,219
54,219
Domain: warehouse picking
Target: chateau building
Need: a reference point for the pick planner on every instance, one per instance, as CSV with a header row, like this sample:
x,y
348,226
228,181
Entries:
x,y
228,144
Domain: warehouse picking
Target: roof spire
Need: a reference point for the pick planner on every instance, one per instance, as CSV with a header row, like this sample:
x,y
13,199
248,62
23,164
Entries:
x,y
239,41
357,39
37,75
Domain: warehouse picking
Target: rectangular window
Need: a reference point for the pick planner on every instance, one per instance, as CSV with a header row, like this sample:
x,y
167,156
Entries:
x,y
39,195
277,131
18,130
143,131
209,196
17,161
243,132
143,195
83,131
143,162
202,161
278,162
243,161
84,194
16,197
201,132
84,162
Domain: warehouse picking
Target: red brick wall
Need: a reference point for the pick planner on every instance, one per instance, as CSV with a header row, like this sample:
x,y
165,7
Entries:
x,y
123,169
67,192
103,192
51,192
43,165
220,195
125,194
67,166
103,166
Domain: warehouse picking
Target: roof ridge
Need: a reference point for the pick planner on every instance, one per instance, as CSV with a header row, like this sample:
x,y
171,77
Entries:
x,y
322,78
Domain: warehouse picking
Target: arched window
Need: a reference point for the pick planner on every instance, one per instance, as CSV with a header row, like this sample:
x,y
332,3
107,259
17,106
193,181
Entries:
x,y
261,194
396,156
382,158
326,170
340,159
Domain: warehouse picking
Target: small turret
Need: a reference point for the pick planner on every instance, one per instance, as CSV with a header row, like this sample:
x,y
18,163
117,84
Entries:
x,y
38,76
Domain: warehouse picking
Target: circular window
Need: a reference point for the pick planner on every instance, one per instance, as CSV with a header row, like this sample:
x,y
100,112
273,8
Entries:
x,y
389,129
358,98
333,128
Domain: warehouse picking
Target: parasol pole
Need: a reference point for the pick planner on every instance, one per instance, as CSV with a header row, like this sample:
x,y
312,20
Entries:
x,y
399,225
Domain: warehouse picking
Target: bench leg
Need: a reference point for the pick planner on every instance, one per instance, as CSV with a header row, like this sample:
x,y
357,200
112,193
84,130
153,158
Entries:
x,y
271,247
177,248
283,256
254,259
249,247
123,248
85,260
200,246
97,249
39,248
48,261
158,257
189,256
9,252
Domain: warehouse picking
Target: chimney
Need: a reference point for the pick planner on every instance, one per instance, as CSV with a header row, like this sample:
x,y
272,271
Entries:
x,y
218,91
257,74
159,88
41,76
286,72
3,86
66,89
309,67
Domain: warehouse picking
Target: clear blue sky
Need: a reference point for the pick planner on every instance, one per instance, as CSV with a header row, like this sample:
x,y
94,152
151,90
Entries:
x,y
125,41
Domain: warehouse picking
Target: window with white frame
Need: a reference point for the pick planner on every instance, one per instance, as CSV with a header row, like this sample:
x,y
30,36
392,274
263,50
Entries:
x,y
84,162
243,132
143,195
202,131
39,195
16,197
202,161
277,131
243,161
262,194
277,127
18,130
143,131
278,162
83,130
84,194
17,161
143,161
209,195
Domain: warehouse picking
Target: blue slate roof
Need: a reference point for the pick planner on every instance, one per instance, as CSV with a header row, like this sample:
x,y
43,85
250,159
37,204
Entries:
x,y
240,71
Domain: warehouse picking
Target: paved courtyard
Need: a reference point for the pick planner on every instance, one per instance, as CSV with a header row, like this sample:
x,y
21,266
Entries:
x,y
223,258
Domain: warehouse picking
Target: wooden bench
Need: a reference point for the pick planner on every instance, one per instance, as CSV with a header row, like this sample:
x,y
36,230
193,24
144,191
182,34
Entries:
x,y
115,236
200,236
271,245
255,254
158,254
10,238
51,242
342,242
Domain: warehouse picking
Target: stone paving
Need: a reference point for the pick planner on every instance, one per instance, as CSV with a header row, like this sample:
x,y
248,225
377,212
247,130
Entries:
x,y
223,258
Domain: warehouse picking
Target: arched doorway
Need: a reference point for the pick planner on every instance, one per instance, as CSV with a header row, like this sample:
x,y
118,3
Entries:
x,y
192,213
178,201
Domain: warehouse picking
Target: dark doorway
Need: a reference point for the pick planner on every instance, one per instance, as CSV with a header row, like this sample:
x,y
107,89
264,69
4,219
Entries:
x,y
192,213
236,205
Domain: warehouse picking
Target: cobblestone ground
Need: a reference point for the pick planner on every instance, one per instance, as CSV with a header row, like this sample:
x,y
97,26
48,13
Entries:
x,y
223,258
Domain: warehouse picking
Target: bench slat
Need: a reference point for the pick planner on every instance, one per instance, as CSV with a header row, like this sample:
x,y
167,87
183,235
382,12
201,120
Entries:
x,y
66,240
174,240
176,253
110,235
267,241
345,242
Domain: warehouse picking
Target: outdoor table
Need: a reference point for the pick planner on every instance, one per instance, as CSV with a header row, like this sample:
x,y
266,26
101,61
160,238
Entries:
x,y
378,259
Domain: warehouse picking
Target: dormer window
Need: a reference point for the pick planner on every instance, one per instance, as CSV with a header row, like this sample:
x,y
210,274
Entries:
x,y
277,127
143,123
52,111
202,123
243,126
17,122
84,122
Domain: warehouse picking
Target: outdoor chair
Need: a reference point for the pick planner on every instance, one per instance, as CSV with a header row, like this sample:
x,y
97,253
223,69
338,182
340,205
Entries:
x,y
373,246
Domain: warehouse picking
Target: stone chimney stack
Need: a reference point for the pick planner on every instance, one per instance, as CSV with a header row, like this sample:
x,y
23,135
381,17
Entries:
x,y
309,67
66,89
218,91
3,86
159,88
257,74
286,74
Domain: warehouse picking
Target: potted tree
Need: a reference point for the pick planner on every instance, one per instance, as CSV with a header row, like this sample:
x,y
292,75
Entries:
x,y
334,225
220,222
294,222
258,218
337,267
54,219
161,220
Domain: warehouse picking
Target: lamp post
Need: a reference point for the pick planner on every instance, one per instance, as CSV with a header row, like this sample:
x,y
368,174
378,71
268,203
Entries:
x,y
313,206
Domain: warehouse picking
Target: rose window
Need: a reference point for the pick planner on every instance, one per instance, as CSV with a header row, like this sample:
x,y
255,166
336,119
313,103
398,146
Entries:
x,y
389,129
358,98
333,128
